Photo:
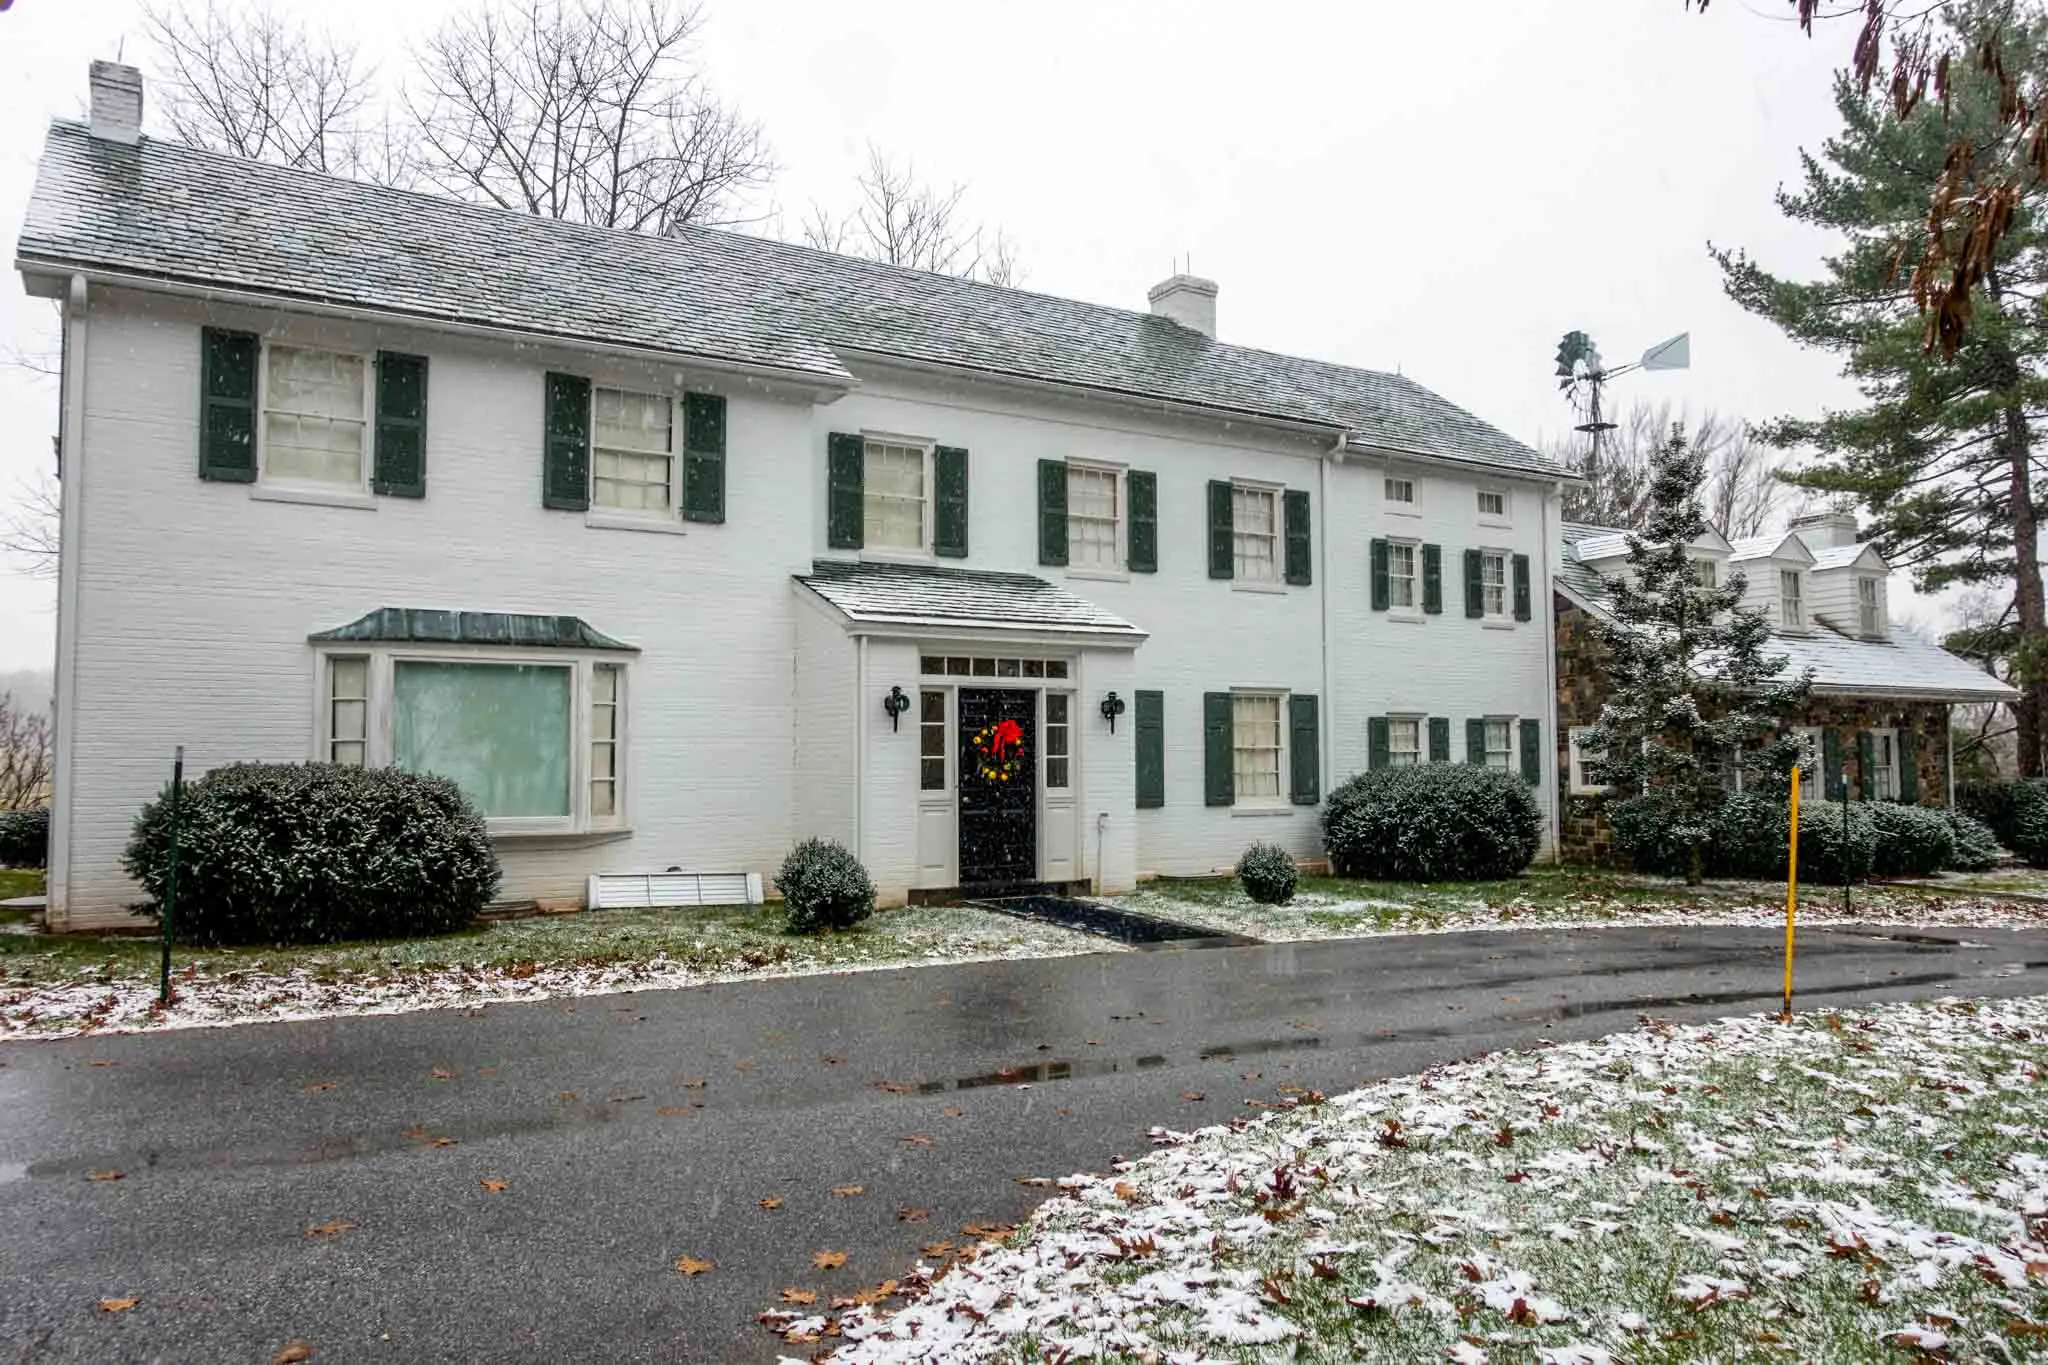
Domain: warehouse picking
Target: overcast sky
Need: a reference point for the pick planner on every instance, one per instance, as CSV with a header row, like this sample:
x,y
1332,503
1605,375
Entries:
x,y
1439,189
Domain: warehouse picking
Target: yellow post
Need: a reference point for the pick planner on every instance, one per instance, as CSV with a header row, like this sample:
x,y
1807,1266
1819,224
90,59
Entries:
x,y
1791,891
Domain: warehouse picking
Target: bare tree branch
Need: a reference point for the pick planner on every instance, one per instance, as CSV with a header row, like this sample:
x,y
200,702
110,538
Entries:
x,y
1742,495
584,110
904,221
29,527
24,755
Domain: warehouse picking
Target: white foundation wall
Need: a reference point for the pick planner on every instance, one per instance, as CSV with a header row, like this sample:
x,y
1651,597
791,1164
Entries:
x,y
1206,635
194,599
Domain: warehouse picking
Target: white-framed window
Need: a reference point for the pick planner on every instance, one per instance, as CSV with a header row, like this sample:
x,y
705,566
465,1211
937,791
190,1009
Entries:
x,y
985,666
1706,573
931,741
1257,743
1095,517
316,417
1581,756
1883,776
1869,606
1400,494
1402,572
535,738
1493,504
1812,761
1493,582
1404,741
1791,599
632,450
896,481
1255,527
1500,742
1059,715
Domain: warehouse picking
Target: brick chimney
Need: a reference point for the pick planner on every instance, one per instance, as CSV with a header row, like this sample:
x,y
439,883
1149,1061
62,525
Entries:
x,y
1189,300
116,102
1827,530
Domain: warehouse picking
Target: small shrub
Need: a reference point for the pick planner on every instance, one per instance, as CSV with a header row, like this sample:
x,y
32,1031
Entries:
x,y
1977,848
1998,804
1751,834
25,837
314,853
2030,833
1836,848
1649,831
1432,822
824,887
1912,841
1268,874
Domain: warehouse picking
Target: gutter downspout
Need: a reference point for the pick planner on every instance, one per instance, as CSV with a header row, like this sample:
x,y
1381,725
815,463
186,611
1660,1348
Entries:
x,y
70,541
1550,675
860,750
1326,724
1948,747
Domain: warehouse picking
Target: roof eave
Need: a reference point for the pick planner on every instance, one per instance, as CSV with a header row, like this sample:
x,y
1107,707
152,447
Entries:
x,y
1354,444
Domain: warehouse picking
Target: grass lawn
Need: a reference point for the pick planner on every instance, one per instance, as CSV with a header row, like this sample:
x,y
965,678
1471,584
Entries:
x,y
1864,1186
1333,907
19,881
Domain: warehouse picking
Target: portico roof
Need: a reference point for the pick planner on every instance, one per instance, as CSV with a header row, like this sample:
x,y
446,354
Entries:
x,y
931,596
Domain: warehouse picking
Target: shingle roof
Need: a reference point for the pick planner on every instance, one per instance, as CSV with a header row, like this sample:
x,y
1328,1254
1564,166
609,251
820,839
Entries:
x,y
164,210
1766,546
425,625
932,595
1903,665
1842,556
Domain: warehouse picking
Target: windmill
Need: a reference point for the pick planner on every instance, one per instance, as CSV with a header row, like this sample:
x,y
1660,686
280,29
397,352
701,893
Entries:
x,y
1582,375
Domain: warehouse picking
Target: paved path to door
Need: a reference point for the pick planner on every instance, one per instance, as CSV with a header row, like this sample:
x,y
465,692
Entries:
x,y
232,1143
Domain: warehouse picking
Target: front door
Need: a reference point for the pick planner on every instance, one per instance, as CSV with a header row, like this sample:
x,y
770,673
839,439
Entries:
x,y
998,788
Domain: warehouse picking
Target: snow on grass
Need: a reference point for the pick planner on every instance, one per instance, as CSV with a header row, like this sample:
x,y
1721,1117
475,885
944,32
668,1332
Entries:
x,y
55,988
1551,898
1870,1185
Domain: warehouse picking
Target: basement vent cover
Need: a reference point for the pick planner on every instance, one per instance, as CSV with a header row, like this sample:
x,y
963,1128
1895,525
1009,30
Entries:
x,y
648,890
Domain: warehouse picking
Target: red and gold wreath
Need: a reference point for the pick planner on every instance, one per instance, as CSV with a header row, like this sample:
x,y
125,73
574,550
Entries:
x,y
999,751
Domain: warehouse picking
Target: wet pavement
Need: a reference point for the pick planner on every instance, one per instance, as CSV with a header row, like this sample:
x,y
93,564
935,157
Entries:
x,y
1143,932
325,1181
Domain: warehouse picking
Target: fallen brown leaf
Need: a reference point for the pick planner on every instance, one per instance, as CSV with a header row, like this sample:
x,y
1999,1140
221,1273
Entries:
x,y
417,1132
690,1265
1192,1095
117,1305
987,1229
494,1186
829,1060
828,1260
936,1249
849,1191
441,1073
895,1087
318,1086
100,1063
332,1229
293,1353
565,1095
1126,1191
669,1111
695,1083
441,1142
106,1175
953,1112
772,1202
918,1139
799,1296
907,1214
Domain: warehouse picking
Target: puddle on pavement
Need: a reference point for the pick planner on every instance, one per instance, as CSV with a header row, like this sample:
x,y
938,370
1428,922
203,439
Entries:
x,y
1140,932
11,1171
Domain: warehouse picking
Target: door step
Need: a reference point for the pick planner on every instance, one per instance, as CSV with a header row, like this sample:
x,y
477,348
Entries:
x,y
1106,921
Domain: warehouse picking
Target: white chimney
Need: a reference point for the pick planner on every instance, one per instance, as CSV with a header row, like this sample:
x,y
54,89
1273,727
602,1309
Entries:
x,y
1189,300
116,102
1827,530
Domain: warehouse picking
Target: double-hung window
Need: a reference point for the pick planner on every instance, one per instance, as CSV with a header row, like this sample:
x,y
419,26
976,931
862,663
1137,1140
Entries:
x,y
1059,712
1581,758
1256,740
1401,593
1095,508
1500,743
896,495
316,417
632,450
1705,573
1791,599
1400,494
1493,582
1493,504
1255,526
1884,773
1869,608
1404,741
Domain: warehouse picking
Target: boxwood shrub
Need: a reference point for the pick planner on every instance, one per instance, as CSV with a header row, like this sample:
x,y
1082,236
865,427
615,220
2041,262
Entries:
x,y
1646,832
314,853
2029,836
1998,804
824,887
1912,841
1267,874
25,837
1751,834
1432,822
1834,848
1977,848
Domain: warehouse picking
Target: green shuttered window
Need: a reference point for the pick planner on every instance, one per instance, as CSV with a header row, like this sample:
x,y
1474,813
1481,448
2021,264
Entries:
x,y
1219,780
1439,739
1304,751
1909,765
1222,530
565,466
227,421
1378,742
1052,512
1433,580
1866,766
949,518
400,466
1300,543
1143,549
1475,588
1522,602
1380,590
703,457
1831,764
845,460
1150,711
1475,741
1532,753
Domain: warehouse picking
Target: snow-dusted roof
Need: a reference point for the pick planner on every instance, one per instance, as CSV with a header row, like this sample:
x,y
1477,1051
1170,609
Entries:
x,y
1614,544
1770,547
931,595
1849,556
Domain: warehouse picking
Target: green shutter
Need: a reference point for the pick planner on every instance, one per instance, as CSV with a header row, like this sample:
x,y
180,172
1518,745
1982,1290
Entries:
x,y
949,518
227,405
1222,531
399,467
1909,765
1532,753
565,466
1052,512
845,463
1522,606
703,457
1150,711
1831,763
1475,591
1378,742
1304,758
1381,594
1866,765
1439,739
1143,490
1219,781
1294,520
1433,580
1475,741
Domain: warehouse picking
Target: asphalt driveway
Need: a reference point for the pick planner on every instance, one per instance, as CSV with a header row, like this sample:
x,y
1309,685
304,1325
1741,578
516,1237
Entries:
x,y
324,1182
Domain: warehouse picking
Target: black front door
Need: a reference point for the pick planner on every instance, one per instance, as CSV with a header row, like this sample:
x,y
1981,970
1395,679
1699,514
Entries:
x,y
998,788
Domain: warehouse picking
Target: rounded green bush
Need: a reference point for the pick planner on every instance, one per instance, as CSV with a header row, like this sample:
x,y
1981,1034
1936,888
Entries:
x,y
1836,849
1998,804
2030,832
315,853
1433,822
25,837
1648,831
1267,874
824,887
1977,848
1912,841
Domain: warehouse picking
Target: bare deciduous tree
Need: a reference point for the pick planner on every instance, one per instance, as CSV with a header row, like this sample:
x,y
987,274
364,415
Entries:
x,y
586,110
238,77
28,527
24,755
1742,494
903,221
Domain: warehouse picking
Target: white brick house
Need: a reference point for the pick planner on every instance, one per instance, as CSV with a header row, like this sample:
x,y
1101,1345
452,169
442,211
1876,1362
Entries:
x,y
641,539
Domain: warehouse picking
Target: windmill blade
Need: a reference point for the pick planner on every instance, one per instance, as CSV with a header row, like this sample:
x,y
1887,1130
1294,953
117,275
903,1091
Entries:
x,y
1675,354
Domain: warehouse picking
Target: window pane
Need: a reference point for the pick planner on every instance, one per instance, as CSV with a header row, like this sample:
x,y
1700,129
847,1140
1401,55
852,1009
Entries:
x,y
350,753
1055,668
984,668
1056,708
957,667
1401,575
313,416
1092,511
1008,668
499,731
1255,743
1056,772
893,496
1404,741
1492,504
932,774
1253,526
1493,580
1034,668
931,741
928,665
1400,490
931,707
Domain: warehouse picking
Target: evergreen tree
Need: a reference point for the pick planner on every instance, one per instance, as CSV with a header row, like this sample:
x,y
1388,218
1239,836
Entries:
x,y
1941,452
1693,689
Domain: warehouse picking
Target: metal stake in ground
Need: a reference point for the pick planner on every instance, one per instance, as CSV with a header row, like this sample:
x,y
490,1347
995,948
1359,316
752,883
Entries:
x,y
163,991
1791,891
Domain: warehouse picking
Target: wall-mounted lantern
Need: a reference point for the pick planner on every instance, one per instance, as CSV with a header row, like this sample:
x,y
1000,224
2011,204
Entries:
x,y
895,704
1112,707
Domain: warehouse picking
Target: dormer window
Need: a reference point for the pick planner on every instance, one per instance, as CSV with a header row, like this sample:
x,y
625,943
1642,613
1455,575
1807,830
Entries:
x,y
1869,607
1791,600
1706,573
